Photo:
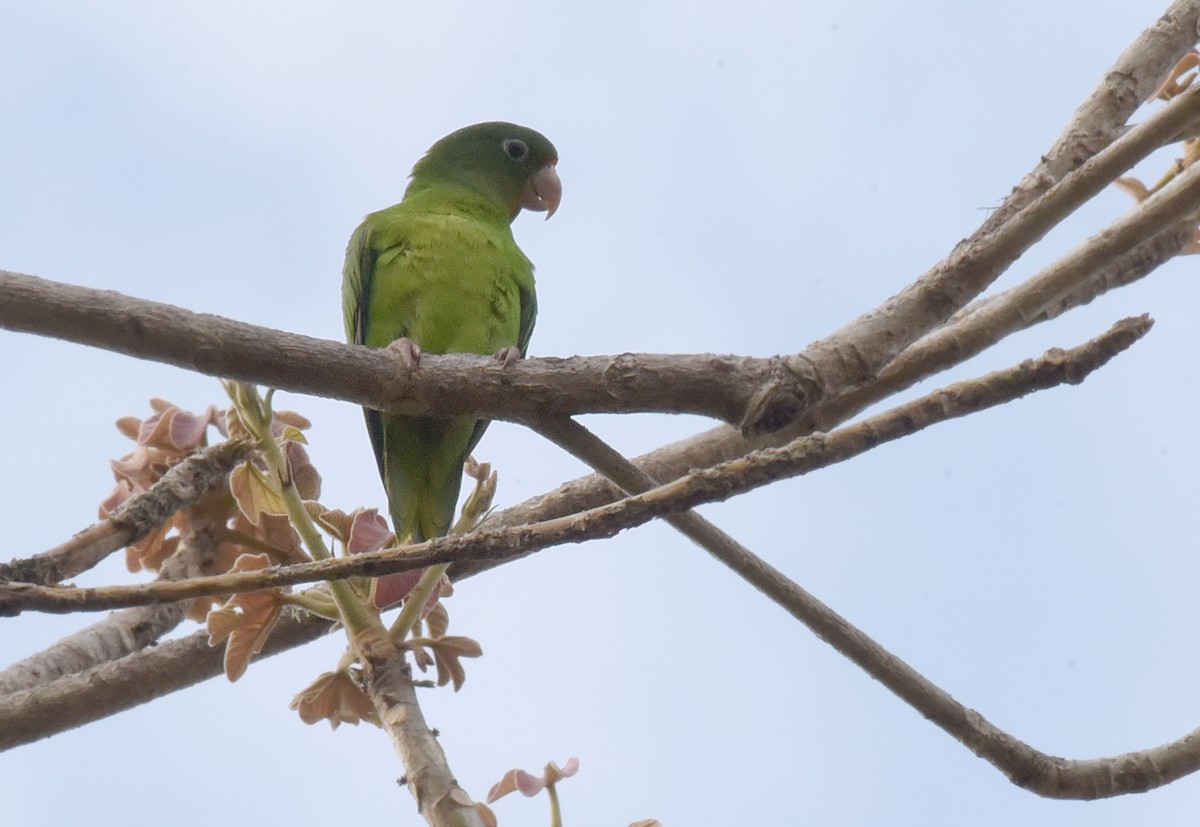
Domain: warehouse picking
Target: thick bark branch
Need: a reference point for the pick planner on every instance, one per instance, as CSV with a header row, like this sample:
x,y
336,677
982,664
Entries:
x,y
707,485
440,800
760,395
117,636
116,686
1060,287
721,387
1131,80
1100,119
130,630
854,355
1027,767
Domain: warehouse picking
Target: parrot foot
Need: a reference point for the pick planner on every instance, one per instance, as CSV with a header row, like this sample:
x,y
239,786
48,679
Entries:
x,y
506,356
408,351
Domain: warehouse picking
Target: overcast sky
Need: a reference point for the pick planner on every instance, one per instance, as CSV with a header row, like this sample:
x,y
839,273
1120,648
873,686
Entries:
x,y
737,178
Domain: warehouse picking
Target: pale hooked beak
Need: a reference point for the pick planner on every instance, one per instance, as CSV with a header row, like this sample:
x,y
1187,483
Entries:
x,y
543,191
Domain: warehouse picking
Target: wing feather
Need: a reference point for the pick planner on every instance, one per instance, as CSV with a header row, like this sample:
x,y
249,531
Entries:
x,y
357,275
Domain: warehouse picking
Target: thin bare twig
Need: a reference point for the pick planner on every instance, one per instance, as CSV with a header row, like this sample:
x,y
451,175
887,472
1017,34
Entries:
x,y
182,485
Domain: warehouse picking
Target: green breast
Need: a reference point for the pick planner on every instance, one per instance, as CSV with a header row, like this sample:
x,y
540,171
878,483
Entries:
x,y
450,283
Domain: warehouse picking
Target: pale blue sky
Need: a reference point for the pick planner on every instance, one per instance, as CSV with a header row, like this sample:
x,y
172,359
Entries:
x,y
737,178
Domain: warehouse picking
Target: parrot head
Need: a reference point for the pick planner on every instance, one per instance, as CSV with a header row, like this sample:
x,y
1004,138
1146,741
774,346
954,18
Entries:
x,y
511,166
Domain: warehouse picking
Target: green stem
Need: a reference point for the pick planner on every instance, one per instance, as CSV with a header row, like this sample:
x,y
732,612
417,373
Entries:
x,y
555,812
410,613
257,416
316,603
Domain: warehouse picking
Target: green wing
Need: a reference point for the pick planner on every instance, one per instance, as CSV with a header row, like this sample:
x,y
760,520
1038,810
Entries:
x,y
528,315
452,285
356,294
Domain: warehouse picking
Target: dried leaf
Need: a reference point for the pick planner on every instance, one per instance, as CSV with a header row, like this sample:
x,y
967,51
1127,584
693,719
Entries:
x,y
188,431
149,552
216,507
390,589
368,531
293,419
152,555
553,774
337,522
138,468
120,493
304,473
254,493
277,533
318,512
421,656
485,814
514,780
530,785
129,426
448,653
437,621
155,431
335,697
199,608
246,620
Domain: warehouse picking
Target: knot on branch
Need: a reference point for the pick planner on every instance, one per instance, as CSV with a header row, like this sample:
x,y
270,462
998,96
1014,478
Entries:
x,y
624,371
789,389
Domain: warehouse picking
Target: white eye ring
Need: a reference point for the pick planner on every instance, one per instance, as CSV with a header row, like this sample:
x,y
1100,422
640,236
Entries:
x,y
515,148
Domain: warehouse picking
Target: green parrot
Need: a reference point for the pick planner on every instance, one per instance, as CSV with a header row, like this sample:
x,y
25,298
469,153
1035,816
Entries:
x,y
440,273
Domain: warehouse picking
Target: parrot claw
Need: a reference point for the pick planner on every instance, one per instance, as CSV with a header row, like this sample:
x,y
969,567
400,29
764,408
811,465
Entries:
x,y
408,351
506,356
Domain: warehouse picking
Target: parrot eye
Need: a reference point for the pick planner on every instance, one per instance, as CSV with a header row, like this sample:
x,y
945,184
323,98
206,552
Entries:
x,y
515,148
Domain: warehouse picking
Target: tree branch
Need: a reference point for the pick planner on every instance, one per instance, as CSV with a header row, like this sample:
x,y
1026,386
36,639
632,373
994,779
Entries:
x,y
760,395
1027,767
121,633
182,485
440,800
1066,284
855,354
115,637
779,394
109,688
1131,80
1100,119
707,485
706,384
